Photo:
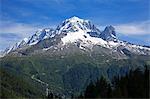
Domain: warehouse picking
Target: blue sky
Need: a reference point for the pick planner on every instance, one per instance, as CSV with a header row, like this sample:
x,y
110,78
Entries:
x,y
21,18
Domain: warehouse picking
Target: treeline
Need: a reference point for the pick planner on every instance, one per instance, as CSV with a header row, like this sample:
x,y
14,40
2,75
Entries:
x,y
134,85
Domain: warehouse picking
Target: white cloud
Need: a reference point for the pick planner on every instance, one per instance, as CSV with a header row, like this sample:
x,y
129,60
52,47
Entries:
x,y
17,28
140,28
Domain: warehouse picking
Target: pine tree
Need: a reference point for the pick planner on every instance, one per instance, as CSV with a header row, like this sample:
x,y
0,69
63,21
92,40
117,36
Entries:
x,y
50,95
102,87
146,82
90,91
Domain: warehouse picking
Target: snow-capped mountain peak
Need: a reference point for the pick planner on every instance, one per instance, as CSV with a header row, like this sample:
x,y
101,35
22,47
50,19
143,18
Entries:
x,y
75,24
77,29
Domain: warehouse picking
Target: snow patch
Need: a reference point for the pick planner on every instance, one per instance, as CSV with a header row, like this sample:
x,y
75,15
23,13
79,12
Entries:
x,y
26,40
84,37
34,43
45,49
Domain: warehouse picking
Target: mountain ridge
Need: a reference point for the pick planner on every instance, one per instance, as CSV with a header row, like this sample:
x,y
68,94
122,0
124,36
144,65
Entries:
x,y
83,32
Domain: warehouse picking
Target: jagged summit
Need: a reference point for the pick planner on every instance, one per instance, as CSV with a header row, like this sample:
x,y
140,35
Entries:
x,y
109,34
110,29
41,35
